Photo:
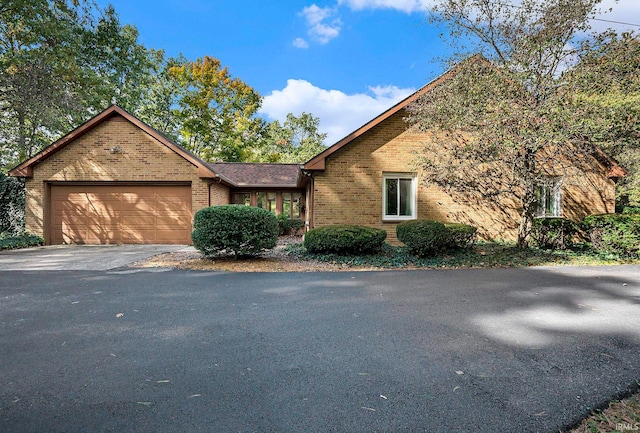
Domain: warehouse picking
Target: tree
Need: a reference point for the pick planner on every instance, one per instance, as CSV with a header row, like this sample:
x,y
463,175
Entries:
x,y
38,83
118,69
60,63
605,86
503,120
296,140
215,110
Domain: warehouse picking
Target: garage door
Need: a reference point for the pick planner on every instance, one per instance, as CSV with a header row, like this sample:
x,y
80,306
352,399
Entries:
x,y
120,214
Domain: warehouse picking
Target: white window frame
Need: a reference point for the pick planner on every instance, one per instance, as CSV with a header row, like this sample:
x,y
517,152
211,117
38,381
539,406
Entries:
x,y
549,188
413,192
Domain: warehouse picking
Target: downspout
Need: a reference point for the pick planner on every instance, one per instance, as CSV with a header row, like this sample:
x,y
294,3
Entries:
x,y
311,200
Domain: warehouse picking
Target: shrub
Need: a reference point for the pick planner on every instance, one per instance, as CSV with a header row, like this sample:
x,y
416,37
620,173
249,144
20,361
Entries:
x,y
288,226
24,240
424,238
11,205
614,233
553,233
427,238
462,236
236,230
344,239
631,210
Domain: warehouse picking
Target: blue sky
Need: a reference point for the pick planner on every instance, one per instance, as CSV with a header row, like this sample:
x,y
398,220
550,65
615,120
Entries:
x,y
345,61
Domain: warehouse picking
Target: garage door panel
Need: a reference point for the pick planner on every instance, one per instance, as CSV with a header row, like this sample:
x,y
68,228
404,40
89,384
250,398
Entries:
x,y
97,214
139,236
165,236
138,205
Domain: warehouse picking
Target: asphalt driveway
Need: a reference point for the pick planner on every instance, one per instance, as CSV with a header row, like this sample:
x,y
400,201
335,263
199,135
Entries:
x,y
79,257
489,350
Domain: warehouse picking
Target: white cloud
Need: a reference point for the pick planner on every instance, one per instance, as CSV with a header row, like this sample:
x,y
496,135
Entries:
x,y
339,113
300,43
319,28
625,11
407,6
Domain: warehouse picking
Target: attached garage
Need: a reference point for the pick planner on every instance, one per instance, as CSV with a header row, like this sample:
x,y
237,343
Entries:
x,y
120,214
115,180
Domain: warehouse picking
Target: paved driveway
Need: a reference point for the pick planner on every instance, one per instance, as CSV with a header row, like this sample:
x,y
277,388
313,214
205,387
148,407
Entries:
x,y
79,257
493,350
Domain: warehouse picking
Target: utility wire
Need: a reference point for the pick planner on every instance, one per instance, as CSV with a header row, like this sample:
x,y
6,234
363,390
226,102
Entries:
x,y
593,19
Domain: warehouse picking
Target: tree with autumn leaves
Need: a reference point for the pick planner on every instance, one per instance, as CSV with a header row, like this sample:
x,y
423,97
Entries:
x,y
537,95
62,62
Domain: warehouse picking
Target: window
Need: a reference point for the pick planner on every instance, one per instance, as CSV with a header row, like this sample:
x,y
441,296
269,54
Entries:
x,y
291,204
261,200
549,198
399,196
242,198
271,202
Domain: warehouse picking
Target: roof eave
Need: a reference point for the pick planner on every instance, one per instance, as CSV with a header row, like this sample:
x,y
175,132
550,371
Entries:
x,y
317,163
25,169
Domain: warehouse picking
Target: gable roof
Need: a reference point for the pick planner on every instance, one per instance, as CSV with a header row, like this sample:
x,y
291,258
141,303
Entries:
x,y
318,161
247,174
25,169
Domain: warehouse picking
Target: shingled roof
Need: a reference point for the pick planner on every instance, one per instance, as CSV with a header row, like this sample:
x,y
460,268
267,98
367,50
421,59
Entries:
x,y
243,174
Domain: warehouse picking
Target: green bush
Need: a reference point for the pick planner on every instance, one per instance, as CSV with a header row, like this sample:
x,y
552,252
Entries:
x,y
631,210
424,238
288,226
344,239
462,236
11,205
554,233
614,233
236,230
427,238
8,242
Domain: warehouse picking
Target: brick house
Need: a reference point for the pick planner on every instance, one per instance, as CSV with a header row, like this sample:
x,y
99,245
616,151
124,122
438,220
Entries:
x,y
114,179
370,178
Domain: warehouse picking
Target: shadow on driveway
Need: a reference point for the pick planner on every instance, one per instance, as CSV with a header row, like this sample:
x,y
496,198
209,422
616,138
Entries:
x,y
477,350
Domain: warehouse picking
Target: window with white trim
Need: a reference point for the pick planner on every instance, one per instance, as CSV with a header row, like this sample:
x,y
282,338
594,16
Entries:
x,y
549,198
399,196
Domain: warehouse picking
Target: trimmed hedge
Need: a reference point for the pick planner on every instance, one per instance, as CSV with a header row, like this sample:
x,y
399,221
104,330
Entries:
x,y
236,230
463,236
344,239
554,233
428,238
423,238
614,233
288,226
22,241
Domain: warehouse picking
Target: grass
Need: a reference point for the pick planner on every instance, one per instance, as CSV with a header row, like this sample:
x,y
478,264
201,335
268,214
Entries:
x,y
620,417
481,255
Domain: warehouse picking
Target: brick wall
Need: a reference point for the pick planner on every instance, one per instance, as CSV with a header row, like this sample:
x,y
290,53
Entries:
x,y
349,190
220,194
89,158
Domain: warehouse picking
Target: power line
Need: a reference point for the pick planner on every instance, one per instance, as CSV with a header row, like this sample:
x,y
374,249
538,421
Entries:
x,y
616,22
593,19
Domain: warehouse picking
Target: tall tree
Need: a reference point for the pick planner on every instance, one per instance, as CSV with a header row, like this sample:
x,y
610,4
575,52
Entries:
x,y
216,111
296,140
501,124
38,81
62,61
604,87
